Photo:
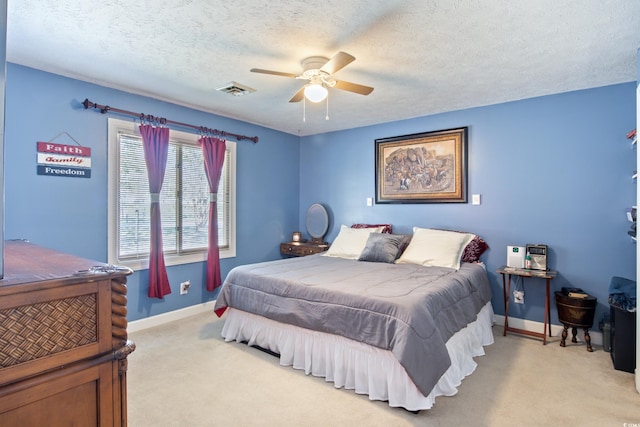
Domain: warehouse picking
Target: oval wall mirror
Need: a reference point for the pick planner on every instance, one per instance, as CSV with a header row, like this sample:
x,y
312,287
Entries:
x,y
317,222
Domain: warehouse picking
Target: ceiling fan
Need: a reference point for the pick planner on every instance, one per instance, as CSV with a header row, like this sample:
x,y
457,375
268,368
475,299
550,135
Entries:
x,y
318,71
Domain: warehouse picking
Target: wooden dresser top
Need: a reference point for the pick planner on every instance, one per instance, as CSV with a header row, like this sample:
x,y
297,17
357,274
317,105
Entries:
x,y
25,262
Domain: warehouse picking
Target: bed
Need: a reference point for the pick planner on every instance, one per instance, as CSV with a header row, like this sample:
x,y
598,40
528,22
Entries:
x,y
400,325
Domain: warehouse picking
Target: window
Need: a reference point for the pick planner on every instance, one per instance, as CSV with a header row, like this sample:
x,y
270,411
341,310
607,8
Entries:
x,y
184,200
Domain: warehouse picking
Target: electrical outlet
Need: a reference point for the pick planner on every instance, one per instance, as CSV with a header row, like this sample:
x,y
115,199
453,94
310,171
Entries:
x,y
184,287
518,297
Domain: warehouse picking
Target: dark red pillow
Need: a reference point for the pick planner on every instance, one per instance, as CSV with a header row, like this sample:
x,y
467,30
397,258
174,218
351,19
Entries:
x,y
386,229
474,249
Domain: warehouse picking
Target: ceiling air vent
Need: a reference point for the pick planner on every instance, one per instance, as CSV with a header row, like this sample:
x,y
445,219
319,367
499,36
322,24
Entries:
x,y
236,89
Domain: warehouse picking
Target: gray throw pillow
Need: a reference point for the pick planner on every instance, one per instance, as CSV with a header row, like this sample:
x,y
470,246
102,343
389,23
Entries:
x,y
382,247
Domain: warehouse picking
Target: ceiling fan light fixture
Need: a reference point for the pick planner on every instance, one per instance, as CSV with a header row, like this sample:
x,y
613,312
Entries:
x,y
315,92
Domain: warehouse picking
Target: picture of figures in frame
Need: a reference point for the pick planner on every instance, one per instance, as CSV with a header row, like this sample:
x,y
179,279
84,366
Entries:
x,y
428,167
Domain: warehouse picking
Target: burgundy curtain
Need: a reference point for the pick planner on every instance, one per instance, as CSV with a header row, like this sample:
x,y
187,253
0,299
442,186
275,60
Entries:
x,y
213,150
155,141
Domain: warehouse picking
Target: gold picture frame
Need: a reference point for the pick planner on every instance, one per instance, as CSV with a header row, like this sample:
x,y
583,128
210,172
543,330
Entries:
x,y
429,167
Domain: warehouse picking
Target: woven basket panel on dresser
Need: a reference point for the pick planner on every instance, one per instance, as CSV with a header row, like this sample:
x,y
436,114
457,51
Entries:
x,y
33,331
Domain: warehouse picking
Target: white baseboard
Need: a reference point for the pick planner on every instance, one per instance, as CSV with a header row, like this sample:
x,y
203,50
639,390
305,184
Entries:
x,y
161,319
556,330
171,316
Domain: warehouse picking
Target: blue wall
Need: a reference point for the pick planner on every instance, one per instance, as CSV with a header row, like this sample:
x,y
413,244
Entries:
x,y
70,214
554,169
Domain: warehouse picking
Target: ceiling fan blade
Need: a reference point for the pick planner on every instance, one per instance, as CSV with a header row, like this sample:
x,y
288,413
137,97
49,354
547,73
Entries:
x,y
274,73
298,95
353,87
338,62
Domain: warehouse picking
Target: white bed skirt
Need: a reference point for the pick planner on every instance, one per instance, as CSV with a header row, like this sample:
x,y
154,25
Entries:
x,y
357,366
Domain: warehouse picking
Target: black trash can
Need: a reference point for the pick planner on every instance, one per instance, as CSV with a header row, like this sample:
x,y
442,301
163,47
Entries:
x,y
622,303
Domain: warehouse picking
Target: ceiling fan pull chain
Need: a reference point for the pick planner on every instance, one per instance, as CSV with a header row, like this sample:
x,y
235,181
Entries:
x,y
304,109
327,116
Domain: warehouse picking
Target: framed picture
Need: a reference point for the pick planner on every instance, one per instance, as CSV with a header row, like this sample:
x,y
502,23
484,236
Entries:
x,y
428,167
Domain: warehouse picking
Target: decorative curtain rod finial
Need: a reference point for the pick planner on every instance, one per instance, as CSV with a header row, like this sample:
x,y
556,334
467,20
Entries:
x,y
88,104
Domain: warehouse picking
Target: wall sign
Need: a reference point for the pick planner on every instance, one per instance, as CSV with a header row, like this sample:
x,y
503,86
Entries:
x,y
64,160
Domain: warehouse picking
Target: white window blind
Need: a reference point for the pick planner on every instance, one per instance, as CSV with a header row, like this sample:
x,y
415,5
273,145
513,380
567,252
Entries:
x,y
184,201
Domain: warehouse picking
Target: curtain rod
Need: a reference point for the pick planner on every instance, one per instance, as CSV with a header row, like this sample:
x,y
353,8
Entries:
x,y
104,109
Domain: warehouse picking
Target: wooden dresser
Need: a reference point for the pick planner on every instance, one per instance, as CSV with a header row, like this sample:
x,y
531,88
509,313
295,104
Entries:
x,y
63,340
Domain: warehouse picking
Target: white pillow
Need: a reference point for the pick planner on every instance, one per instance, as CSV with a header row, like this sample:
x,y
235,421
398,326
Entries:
x,y
435,248
350,242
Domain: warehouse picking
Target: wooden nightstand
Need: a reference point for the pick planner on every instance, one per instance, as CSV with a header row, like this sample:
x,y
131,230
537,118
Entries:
x,y
302,248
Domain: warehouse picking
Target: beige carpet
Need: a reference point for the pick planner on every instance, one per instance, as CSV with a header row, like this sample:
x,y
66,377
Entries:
x,y
184,374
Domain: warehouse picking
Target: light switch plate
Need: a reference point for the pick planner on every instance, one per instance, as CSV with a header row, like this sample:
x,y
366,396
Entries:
x,y
475,199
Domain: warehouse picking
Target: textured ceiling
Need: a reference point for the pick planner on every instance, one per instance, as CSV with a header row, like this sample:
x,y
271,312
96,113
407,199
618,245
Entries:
x,y
422,57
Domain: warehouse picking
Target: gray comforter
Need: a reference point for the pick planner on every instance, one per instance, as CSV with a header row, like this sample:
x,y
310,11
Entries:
x,y
408,309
